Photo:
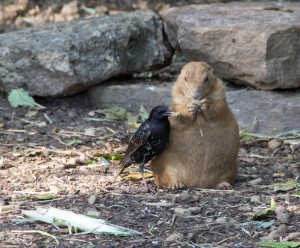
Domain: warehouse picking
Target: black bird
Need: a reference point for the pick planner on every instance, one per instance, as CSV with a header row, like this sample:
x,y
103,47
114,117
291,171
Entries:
x,y
148,141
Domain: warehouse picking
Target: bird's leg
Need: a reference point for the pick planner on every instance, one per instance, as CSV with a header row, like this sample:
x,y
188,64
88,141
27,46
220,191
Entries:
x,y
141,168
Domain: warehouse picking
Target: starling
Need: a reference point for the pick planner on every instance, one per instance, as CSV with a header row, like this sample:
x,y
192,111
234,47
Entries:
x,y
148,141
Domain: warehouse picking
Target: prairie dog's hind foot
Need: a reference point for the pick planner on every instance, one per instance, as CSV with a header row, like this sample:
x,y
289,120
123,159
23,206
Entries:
x,y
177,186
224,186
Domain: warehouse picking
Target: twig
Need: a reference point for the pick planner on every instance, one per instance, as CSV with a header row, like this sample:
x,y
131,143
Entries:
x,y
216,190
60,141
48,118
8,209
158,204
40,232
109,129
32,193
115,205
201,133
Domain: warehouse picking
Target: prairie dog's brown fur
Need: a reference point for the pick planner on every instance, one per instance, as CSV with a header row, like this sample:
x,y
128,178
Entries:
x,y
204,137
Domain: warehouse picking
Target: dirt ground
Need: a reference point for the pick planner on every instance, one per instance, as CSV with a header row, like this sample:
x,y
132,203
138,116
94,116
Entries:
x,y
50,153
55,152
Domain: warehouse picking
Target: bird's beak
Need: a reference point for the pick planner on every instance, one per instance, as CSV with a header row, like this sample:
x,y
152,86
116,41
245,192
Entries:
x,y
170,113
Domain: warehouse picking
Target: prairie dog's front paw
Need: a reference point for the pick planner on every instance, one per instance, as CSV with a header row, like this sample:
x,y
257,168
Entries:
x,y
203,104
198,105
194,106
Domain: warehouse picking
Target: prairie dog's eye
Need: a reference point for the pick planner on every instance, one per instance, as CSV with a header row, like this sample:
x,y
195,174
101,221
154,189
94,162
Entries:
x,y
206,79
185,79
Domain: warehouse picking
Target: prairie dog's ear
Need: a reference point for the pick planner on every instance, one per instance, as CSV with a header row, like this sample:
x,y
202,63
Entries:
x,y
210,69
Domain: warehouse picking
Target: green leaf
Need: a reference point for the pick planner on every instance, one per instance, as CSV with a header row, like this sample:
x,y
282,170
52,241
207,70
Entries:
x,y
116,114
266,212
31,113
77,222
245,136
20,97
109,156
73,142
45,197
143,113
297,194
133,120
285,186
279,244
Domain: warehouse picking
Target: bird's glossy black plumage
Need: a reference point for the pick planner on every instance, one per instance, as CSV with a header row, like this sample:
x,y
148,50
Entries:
x,y
149,140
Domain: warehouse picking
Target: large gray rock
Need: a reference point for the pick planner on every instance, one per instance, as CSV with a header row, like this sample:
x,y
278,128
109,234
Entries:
x,y
275,112
65,58
253,44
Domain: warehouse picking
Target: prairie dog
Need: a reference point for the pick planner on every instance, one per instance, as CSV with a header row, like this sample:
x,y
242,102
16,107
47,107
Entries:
x,y
204,137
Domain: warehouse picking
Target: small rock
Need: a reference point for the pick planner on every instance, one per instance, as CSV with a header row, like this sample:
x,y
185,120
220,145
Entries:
x,y
175,236
255,181
233,221
255,198
93,213
222,220
273,236
283,215
70,8
182,211
244,209
280,167
282,229
278,174
184,196
273,144
195,210
92,200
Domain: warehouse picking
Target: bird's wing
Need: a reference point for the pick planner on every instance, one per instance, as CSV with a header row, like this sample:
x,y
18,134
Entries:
x,y
138,139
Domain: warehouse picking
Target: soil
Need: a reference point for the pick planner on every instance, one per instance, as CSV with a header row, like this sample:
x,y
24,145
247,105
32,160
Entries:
x,y
55,151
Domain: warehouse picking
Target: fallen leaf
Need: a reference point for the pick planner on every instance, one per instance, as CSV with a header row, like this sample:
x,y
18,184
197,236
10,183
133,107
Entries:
x,y
137,176
266,212
20,97
285,186
279,244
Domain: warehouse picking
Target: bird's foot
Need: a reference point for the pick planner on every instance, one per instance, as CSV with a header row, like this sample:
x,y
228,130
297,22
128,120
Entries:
x,y
149,189
224,186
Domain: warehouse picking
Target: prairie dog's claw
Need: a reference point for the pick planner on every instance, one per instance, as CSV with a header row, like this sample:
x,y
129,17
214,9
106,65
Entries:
x,y
198,105
177,186
203,104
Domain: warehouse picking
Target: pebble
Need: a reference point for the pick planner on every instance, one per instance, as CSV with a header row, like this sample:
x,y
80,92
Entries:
x,y
283,215
93,213
244,209
282,229
182,211
273,144
255,198
222,220
92,200
280,167
255,181
273,236
184,196
175,236
195,210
